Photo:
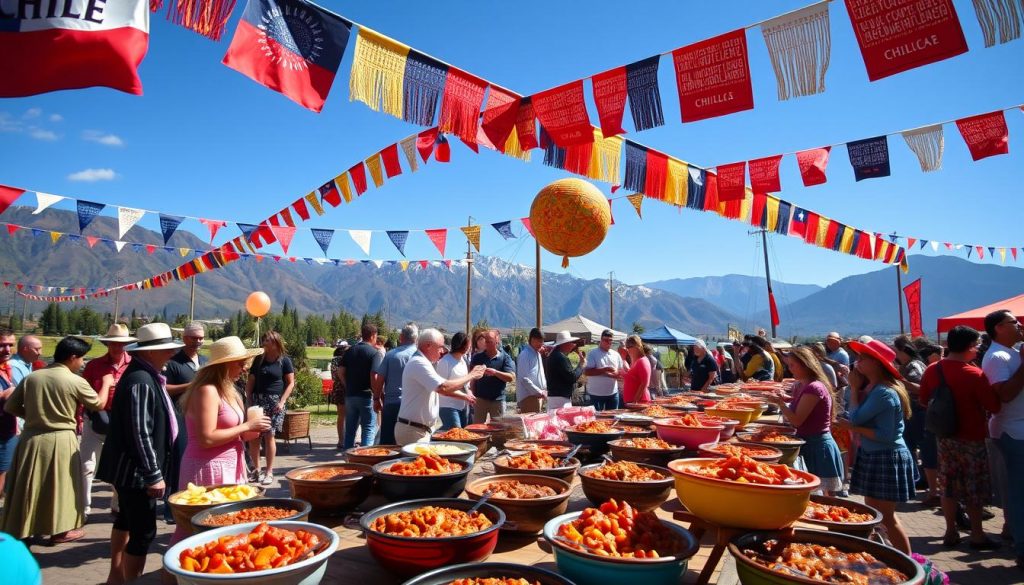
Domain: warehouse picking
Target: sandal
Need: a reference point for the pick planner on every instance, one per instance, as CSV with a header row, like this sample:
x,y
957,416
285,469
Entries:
x,y
69,536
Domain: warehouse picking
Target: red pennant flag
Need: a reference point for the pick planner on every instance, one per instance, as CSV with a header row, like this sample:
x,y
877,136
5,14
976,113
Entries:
x,y
1013,251
213,225
986,134
286,215
460,104
526,224
913,294
500,115
732,181
897,36
442,150
610,214
657,173
831,233
911,242
563,113
19,286
389,156
300,207
526,126
713,77
358,175
9,194
439,237
423,264
764,174
610,91
773,308
11,228
150,248
981,252
949,246
425,143
812,165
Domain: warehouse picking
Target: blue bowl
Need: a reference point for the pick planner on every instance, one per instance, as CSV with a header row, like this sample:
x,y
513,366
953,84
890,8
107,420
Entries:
x,y
583,567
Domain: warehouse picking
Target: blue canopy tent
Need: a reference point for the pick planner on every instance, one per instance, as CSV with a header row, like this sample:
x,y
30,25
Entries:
x,y
666,335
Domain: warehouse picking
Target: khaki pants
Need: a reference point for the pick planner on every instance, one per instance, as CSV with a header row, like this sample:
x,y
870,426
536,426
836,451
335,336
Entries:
x,y
483,407
90,448
531,404
405,434
556,402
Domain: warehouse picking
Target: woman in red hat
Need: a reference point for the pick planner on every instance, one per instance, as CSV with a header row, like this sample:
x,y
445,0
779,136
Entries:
x,y
884,470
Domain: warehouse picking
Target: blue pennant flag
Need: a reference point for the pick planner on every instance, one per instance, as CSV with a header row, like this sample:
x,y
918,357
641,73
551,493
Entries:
x,y
168,224
365,261
969,250
924,243
87,211
137,247
398,238
336,262
38,232
505,229
308,261
247,230
323,237
991,251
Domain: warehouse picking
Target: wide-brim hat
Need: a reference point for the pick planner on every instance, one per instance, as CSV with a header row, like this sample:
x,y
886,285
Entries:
x,y
153,337
881,352
230,349
563,337
117,333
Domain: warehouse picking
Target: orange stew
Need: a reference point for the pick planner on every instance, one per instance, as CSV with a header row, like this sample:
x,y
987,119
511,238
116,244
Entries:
x,y
593,426
740,450
459,434
425,464
826,564
257,514
717,420
688,420
617,530
328,473
656,412
431,522
494,581
624,471
374,451
743,469
771,437
828,513
265,547
529,446
647,443
534,460
518,490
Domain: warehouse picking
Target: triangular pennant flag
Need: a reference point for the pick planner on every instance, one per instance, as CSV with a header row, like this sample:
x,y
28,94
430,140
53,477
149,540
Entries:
x,y
323,237
376,171
813,163
409,149
526,224
44,200
425,143
299,205
505,229
87,211
991,251
1002,255
1013,252
423,264
398,238
184,251
362,239
439,237
91,240
284,235
136,247
377,263
150,248
8,195
910,242
935,246
389,156
637,199
473,235
213,225
126,218
314,201
119,245
404,264
981,252
928,144
36,232
168,225
54,236
248,230
11,228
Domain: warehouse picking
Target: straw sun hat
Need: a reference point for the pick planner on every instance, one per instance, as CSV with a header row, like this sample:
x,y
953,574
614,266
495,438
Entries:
x,y
117,333
230,349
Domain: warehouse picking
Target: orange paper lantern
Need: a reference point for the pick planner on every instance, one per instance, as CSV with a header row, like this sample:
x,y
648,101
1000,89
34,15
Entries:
x,y
570,218
258,304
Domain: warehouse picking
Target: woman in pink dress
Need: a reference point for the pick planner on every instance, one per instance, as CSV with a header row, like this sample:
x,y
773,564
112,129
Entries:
x,y
634,385
215,421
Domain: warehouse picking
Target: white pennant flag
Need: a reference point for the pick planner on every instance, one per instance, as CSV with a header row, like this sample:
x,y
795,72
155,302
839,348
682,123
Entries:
x,y
119,244
378,263
44,200
935,246
126,218
362,239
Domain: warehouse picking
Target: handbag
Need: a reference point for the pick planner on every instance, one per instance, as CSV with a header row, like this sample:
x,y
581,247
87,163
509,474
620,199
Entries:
x,y
940,418
100,421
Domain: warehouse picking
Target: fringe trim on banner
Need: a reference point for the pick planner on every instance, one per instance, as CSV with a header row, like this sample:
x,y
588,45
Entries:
x,y
928,144
422,87
605,158
378,72
578,158
514,149
644,94
460,104
1006,15
206,17
636,167
676,186
800,46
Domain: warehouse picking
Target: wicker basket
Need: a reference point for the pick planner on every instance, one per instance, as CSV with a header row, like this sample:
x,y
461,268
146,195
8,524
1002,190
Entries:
x,y
296,425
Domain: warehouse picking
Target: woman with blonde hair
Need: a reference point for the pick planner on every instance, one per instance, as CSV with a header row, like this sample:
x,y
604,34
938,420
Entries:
x,y
812,409
884,469
634,384
270,383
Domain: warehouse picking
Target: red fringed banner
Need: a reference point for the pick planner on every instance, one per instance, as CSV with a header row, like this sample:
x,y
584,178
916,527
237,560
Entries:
x,y
526,125
812,165
460,105
713,77
563,113
500,116
986,134
206,17
732,181
610,92
657,174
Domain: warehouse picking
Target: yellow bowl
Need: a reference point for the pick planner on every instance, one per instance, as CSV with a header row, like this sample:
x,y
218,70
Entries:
x,y
743,415
740,505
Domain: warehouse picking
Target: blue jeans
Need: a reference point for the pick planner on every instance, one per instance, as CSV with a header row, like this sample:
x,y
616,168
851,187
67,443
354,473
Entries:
x,y
7,447
1013,453
604,402
359,411
388,418
453,417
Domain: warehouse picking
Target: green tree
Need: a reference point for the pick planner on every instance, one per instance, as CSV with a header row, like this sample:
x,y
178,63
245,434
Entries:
x,y
638,328
134,322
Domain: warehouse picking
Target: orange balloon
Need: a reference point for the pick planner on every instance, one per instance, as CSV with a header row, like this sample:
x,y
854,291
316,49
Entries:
x,y
570,218
258,304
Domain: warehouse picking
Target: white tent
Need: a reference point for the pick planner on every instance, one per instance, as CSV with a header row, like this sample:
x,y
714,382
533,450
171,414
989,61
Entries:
x,y
579,326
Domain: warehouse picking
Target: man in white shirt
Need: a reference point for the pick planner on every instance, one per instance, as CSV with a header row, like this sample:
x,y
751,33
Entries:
x,y
1002,366
421,385
531,385
604,369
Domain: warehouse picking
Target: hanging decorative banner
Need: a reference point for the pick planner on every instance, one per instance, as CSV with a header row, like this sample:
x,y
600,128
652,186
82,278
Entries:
x,y
732,181
505,229
168,225
927,143
800,47
563,113
606,158
439,237
362,239
376,172
526,125
695,183
676,180
423,83
299,205
323,237
214,225
425,142
54,236
44,200
798,225
656,174
637,200
378,71
248,230
636,167
812,165
610,92
389,156
398,238
713,77
87,211
869,157
644,95
119,245
409,149
764,174
782,224
899,36
290,46
986,134
358,174
1006,15
126,218
443,150
528,226
460,105
473,235
500,115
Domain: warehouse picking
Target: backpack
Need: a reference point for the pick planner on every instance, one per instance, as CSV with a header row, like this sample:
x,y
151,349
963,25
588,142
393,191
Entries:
x,y
940,418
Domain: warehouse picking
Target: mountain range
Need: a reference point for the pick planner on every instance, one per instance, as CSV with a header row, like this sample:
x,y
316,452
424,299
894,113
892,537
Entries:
x,y
737,293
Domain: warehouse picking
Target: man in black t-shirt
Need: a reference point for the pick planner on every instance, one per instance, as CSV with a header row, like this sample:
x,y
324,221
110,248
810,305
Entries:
x,y
357,365
490,390
703,368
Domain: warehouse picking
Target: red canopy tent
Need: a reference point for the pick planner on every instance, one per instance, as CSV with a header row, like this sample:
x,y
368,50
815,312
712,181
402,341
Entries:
x,y
976,317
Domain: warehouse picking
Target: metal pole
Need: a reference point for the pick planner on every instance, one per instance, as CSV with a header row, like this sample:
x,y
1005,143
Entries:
x,y
767,276
24,312
116,312
469,283
192,300
611,300
540,300
899,297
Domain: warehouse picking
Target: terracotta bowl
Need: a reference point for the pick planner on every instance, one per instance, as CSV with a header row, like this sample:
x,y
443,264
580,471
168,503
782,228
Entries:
x,y
551,446
525,515
564,473
659,457
447,575
790,449
861,529
359,454
642,495
334,496
497,433
483,443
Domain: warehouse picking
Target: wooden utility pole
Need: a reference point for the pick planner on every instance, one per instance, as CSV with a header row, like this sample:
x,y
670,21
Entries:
x,y
192,300
24,311
117,289
540,301
469,283
899,295
611,300
768,277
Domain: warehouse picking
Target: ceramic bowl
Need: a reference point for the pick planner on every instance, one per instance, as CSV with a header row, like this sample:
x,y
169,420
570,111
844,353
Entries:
x,y
642,495
333,496
300,509
524,515
396,488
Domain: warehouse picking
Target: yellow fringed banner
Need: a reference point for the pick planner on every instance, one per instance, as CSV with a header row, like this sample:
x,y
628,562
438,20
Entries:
x,y
846,242
771,210
605,158
378,71
514,149
344,186
376,173
675,182
822,235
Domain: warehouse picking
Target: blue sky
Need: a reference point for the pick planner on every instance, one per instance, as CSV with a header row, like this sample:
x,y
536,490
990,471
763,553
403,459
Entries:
x,y
207,141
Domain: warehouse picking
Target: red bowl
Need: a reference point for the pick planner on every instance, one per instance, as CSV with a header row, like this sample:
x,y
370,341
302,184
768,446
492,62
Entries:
x,y
729,424
689,437
409,556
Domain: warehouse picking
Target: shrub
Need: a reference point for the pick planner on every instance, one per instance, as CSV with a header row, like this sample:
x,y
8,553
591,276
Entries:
x,y
308,390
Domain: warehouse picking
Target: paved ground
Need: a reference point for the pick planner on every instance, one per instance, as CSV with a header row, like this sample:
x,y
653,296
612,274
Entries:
x,y
86,561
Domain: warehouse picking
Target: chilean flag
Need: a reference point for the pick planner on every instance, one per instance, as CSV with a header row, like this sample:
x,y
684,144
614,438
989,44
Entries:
x,y
291,46
50,45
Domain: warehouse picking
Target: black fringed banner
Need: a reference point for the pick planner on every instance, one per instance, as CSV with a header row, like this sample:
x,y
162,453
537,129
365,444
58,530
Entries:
x,y
422,87
636,167
644,95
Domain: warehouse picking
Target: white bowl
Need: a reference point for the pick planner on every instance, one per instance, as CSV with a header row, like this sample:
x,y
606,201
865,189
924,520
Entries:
x,y
307,572
465,452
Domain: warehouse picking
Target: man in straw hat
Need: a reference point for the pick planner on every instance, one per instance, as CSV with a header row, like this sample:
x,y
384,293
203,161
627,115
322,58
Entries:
x,y
137,451
102,374
560,374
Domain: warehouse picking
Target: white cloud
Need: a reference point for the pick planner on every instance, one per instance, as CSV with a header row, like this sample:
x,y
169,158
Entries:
x,y
42,134
92,175
56,118
102,138
33,113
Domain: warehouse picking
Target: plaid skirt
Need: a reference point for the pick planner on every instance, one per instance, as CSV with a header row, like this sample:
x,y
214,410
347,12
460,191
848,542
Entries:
x,y
964,472
887,475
